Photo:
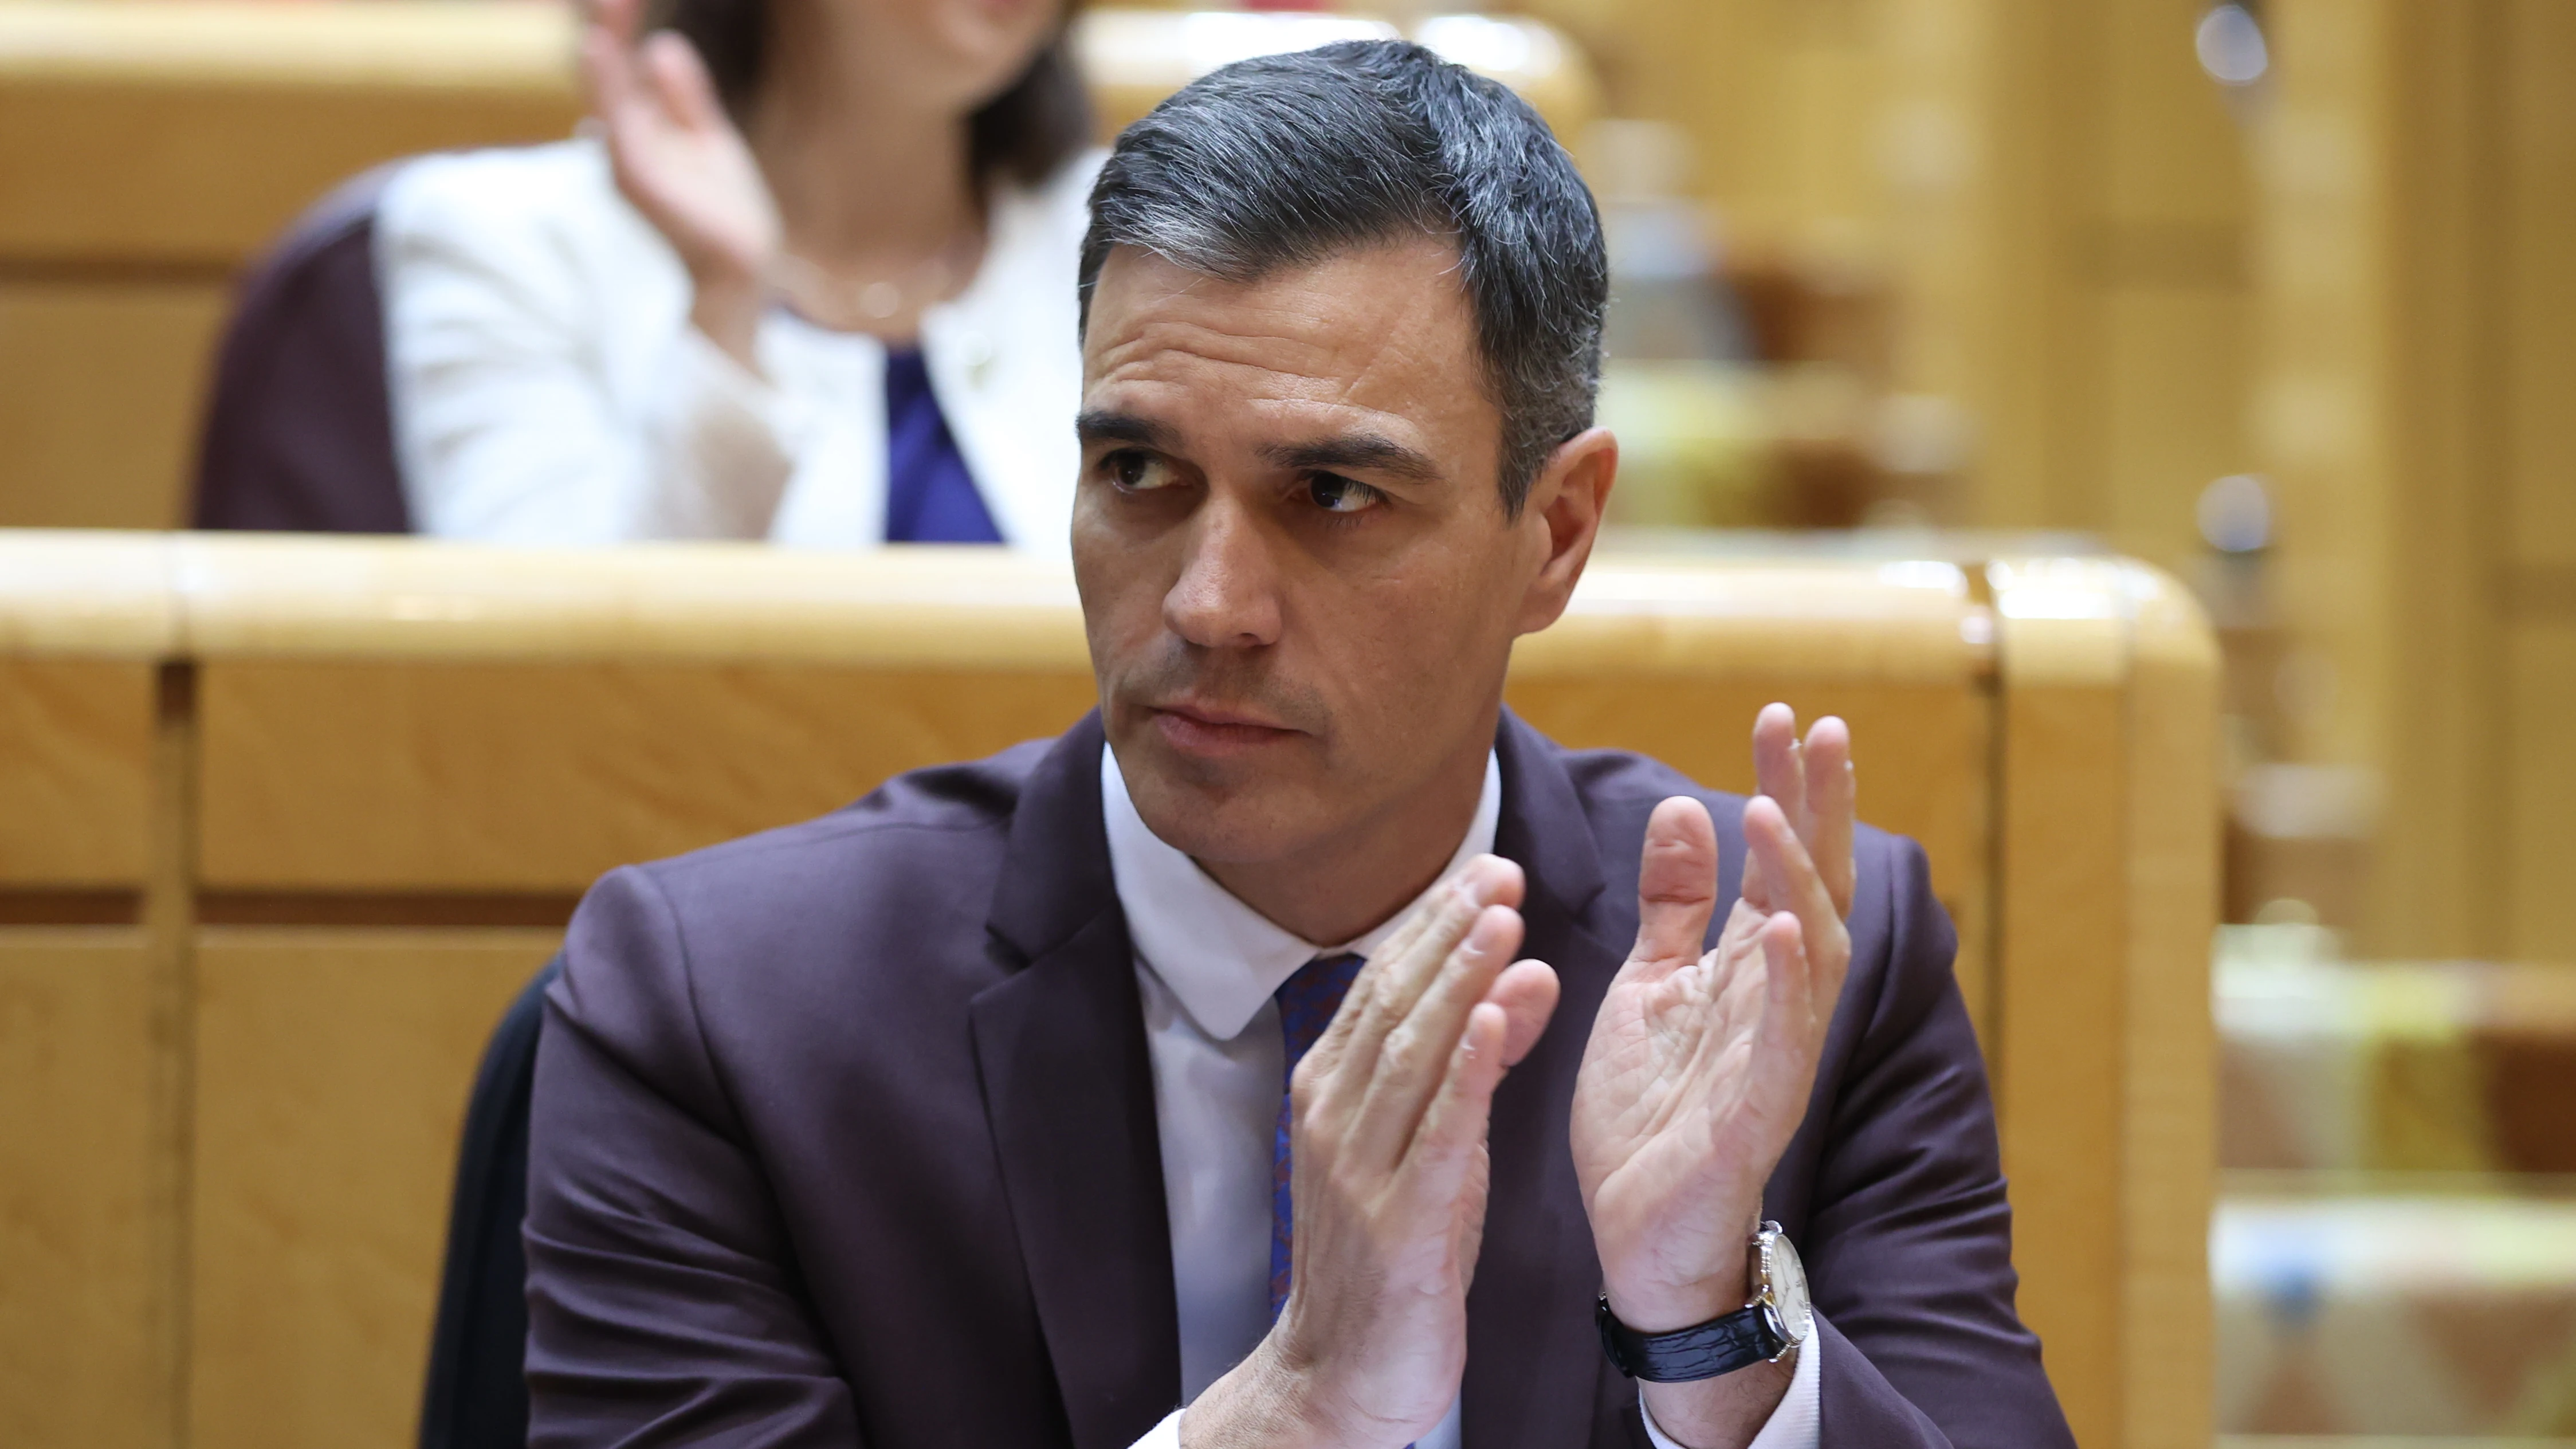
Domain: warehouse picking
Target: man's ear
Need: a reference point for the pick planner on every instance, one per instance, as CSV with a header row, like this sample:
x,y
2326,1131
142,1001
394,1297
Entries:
x,y
1564,508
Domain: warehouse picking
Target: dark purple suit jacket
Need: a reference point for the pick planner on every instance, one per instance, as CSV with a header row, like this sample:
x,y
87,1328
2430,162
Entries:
x,y
844,1134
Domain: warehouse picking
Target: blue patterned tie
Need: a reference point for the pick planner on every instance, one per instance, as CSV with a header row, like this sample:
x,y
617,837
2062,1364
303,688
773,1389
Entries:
x,y
1307,1002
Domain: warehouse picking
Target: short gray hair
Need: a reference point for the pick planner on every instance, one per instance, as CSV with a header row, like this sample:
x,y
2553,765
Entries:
x,y
1286,160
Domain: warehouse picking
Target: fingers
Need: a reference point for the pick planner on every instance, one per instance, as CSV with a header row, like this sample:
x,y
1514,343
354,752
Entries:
x,y
1788,992
1813,783
1527,993
1453,1124
1676,883
1399,972
607,43
1776,770
618,17
607,69
1414,1054
1831,794
1800,891
679,81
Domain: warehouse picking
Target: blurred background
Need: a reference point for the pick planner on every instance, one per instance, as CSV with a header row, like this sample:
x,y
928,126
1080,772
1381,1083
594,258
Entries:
x,y
2278,296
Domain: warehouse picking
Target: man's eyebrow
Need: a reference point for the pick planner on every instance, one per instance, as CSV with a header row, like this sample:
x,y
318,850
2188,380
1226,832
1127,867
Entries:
x,y
1093,425
1353,452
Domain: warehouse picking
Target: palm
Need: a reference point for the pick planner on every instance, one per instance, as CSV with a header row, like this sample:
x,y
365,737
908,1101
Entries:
x,y
1701,1062
1669,1108
677,157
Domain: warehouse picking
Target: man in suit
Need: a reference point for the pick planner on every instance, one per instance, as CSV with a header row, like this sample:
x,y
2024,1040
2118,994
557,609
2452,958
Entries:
x,y
1300,1050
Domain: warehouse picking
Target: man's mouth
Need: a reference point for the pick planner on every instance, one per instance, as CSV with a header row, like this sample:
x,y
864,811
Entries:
x,y
1194,727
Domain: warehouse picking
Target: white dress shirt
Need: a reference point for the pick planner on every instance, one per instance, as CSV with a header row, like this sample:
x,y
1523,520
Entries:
x,y
1207,964
547,387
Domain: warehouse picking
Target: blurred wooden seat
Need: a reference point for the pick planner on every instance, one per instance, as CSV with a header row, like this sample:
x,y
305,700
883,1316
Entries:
x,y
285,821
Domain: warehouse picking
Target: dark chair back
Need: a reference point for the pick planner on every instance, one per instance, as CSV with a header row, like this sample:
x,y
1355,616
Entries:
x,y
478,1392
299,428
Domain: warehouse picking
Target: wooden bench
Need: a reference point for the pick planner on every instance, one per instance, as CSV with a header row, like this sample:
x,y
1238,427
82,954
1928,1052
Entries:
x,y
284,822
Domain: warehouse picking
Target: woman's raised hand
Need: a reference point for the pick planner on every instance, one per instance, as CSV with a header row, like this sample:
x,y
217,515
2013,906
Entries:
x,y
680,161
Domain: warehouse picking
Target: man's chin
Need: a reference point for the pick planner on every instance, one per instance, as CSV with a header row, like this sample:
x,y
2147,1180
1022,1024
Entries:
x,y
1242,805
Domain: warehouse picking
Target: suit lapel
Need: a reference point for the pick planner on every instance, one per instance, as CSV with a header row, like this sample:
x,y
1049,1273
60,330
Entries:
x,y
1069,1091
1533,1357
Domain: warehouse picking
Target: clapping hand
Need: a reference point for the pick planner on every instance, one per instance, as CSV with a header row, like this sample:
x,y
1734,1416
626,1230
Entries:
x,y
1701,1062
1389,1167
679,160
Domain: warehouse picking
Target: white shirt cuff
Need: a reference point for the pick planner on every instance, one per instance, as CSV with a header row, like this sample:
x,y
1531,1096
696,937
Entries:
x,y
1793,1425
1167,1434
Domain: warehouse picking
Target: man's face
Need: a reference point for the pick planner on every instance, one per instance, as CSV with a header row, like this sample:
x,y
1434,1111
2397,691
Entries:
x,y
1298,579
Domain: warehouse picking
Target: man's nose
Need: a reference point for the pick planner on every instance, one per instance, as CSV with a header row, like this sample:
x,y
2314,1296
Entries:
x,y
1227,595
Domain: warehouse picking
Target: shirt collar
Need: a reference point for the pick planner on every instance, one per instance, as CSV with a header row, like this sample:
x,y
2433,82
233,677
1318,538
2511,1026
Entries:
x,y
1220,957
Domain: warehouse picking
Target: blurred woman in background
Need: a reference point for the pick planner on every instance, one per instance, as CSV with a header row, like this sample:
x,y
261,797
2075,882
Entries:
x,y
808,275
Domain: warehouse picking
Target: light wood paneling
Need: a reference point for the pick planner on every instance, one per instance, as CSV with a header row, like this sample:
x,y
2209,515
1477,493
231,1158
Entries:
x,y
100,388
2419,291
539,777
191,134
2060,1088
2106,1091
2176,360
2169,1046
75,766
82,1302
332,1074
2539,119
2542,809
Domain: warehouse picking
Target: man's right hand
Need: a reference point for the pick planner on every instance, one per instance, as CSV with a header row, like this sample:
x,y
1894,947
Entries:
x,y
1389,1176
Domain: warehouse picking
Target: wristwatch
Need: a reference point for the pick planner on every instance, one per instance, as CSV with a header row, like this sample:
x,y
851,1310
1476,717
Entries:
x,y
1777,1320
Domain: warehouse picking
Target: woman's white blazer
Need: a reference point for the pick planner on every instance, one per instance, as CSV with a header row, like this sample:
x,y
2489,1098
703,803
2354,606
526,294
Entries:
x,y
547,387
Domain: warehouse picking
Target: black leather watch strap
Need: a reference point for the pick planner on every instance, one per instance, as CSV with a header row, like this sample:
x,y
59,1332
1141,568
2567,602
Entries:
x,y
1686,1355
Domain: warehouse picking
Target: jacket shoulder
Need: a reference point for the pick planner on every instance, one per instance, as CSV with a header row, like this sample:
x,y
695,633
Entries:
x,y
878,832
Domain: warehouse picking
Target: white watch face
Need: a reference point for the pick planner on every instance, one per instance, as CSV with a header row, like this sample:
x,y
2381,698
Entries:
x,y
1787,1281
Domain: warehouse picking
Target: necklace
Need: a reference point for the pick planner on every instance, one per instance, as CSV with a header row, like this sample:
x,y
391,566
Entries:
x,y
848,306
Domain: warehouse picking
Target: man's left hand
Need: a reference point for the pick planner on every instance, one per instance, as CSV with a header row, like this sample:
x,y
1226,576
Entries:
x,y
1701,1063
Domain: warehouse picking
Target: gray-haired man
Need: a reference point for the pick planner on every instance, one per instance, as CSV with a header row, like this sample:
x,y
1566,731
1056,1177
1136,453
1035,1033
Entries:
x,y
966,1115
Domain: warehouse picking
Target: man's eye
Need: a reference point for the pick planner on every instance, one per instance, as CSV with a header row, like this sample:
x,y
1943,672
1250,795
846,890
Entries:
x,y
1336,494
1134,471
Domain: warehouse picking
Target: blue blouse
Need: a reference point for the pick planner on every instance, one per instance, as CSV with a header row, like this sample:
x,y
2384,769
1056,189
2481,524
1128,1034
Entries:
x,y
930,497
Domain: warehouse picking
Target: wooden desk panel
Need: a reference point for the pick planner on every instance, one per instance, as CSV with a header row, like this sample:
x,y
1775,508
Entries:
x,y
332,1073
84,1306
75,772
538,777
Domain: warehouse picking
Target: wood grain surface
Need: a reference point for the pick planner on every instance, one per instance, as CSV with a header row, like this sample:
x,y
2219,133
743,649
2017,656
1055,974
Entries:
x,y
332,1071
75,766
83,1300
